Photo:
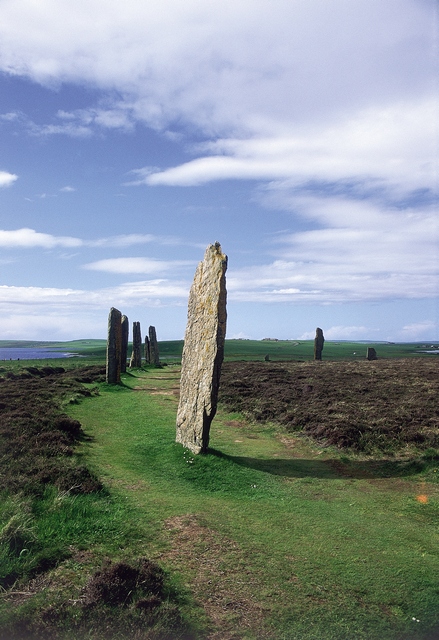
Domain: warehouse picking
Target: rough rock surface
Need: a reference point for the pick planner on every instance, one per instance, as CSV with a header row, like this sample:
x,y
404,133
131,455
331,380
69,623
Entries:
x,y
147,351
319,341
136,356
203,351
124,348
153,347
114,346
371,354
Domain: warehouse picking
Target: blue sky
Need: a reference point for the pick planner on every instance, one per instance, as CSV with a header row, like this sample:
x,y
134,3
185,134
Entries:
x,y
301,135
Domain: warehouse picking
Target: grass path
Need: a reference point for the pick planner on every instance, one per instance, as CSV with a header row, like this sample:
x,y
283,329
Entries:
x,y
274,537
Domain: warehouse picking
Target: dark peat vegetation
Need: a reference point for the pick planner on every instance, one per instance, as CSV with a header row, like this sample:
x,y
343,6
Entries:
x,y
314,516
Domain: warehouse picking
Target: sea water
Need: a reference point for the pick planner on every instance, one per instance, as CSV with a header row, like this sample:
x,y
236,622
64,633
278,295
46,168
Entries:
x,y
25,353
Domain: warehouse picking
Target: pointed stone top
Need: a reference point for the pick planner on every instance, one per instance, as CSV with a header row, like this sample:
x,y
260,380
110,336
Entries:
x,y
214,250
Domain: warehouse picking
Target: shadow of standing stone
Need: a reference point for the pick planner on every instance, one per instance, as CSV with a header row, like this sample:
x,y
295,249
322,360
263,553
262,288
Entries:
x,y
114,346
319,341
203,351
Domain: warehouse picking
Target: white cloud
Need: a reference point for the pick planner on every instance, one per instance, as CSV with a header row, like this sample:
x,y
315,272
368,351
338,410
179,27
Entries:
x,y
391,146
82,123
28,238
418,331
239,336
67,189
233,65
47,325
341,332
363,252
11,116
136,265
126,240
6,179
147,292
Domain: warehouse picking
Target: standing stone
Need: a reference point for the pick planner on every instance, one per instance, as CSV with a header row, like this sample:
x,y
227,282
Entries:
x,y
124,348
136,356
371,354
319,341
147,351
154,347
114,346
203,351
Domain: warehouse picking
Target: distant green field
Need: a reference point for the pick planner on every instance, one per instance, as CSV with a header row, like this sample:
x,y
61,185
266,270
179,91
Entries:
x,y
171,350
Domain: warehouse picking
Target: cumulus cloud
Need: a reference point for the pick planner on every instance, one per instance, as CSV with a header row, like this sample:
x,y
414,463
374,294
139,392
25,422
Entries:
x,y
392,146
136,265
367,114
6,179
147,292
29,238
229,66
342,332
125,240
360,251
418,331
58,325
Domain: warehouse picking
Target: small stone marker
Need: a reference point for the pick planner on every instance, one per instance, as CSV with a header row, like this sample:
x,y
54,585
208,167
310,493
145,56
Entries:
x,y
371,354
319,341
154,347
136,356
114,346
124,348
147,351
203,351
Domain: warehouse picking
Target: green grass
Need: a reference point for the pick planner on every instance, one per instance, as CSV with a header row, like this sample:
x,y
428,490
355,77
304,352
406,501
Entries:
x,y
37,534
322,555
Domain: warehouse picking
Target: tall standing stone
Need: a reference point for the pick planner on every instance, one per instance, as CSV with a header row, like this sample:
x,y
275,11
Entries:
x,y
114,346
154,347
147,351
319,341
124,348
136,356
203,351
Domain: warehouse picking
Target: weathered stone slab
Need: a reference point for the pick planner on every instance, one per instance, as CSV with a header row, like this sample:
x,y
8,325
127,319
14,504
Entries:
x,y
371,354
319,341
114,346
147,351
136,355
153,347
203,351
124,348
